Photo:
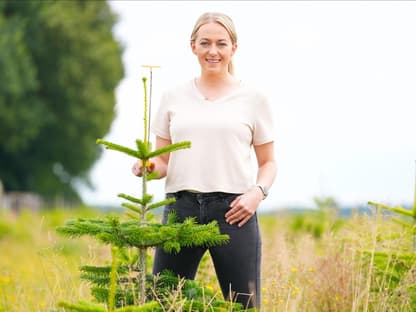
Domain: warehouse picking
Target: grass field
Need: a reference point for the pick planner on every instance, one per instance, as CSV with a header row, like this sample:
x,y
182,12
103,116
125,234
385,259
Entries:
x,y
311,262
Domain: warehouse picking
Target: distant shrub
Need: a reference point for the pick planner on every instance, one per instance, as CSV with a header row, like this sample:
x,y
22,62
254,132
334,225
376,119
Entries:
x,y
317,221
5,229
310,223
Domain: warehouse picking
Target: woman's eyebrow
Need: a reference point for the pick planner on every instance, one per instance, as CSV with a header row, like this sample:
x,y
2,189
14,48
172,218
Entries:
x,y
208,39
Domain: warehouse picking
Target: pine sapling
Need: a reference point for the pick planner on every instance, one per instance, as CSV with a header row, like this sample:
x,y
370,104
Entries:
x,y
124,286
396,265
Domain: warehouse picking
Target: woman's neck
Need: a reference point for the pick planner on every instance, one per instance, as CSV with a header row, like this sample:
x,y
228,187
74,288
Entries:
x,y
215,81
215,86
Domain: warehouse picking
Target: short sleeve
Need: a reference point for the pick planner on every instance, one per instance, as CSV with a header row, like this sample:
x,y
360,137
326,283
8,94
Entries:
x,y
263,131
161,123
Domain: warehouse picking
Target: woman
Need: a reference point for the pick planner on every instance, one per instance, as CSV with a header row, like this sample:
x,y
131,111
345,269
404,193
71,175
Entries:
x,y
213,180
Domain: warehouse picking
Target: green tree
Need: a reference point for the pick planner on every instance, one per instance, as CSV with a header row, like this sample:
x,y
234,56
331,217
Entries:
x,y
125,285
59,66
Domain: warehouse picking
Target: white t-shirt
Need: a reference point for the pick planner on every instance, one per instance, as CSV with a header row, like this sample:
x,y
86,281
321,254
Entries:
x,y
222,133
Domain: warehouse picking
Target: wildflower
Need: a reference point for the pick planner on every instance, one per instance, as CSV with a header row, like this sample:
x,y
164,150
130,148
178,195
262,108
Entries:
x,y
294,270
5,279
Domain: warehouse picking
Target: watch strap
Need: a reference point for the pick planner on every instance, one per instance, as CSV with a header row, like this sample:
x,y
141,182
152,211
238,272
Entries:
x,y
263,189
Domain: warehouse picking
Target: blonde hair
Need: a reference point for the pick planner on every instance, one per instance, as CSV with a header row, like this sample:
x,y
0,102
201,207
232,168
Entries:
x,y
222,19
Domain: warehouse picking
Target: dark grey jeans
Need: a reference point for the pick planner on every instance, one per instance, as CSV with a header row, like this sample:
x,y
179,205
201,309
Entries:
x,y
237,263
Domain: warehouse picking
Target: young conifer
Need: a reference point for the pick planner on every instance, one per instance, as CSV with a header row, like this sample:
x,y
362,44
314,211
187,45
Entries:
x,y
126,285
396,266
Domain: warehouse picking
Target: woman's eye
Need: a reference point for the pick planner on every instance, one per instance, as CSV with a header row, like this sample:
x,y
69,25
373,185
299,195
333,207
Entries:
x,y
204,44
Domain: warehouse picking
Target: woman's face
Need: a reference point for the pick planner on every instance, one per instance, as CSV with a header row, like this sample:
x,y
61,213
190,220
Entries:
x,y
213,47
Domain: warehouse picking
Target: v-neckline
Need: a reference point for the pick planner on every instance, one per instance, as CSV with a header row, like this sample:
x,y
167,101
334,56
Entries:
x,y
219,99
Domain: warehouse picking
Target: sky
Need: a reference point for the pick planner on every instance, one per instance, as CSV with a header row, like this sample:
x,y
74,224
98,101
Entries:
x,y
340,76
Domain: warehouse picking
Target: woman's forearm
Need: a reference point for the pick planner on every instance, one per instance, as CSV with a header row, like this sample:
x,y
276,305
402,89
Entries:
x,y
266,173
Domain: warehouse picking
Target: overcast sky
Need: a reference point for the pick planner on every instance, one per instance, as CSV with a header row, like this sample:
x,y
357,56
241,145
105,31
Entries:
x,y
340,75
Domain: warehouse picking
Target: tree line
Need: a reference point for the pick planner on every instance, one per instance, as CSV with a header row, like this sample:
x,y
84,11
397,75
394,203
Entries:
x,y
59,66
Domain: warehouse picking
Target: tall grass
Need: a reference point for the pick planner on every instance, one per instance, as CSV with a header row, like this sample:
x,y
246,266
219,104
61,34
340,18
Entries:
x,y
339,270
39,268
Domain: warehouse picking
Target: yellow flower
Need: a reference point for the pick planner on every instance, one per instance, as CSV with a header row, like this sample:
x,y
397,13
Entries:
x,y
5,279
11,298
294,270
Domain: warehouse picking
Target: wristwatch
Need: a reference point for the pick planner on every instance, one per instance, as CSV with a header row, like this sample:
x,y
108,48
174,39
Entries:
x,y
263,189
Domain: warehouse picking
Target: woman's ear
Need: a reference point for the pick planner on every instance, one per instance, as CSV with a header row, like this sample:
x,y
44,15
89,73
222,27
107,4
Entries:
x,y
234,48
193,46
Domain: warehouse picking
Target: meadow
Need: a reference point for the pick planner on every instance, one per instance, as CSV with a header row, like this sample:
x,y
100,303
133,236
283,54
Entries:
x,y
314,261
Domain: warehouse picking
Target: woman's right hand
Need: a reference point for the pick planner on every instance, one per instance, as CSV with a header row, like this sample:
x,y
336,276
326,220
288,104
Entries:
x,y
157,164
137,168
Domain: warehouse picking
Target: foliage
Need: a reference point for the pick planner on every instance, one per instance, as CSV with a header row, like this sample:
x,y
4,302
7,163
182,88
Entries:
x,y
301,274
161,288
59,65
84,306
132,234
405,215
317,221
394,267
36,265
5,229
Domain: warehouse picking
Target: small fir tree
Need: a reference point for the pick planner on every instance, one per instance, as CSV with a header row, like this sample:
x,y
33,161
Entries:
x,y
396,266
125,285
403,212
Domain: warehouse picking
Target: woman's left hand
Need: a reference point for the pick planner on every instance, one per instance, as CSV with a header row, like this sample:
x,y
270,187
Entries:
x,y
244,206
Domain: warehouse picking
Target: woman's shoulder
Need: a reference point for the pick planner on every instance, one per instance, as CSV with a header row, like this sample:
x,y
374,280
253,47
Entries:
x,y
252,90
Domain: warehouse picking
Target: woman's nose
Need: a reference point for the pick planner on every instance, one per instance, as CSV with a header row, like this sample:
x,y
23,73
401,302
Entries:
x,y
212,49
